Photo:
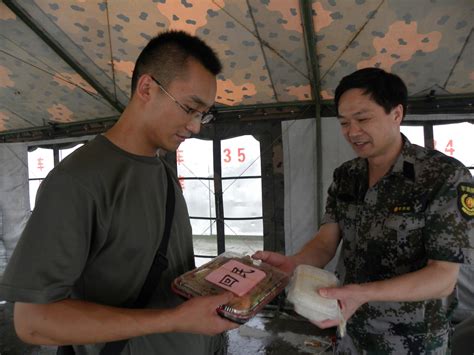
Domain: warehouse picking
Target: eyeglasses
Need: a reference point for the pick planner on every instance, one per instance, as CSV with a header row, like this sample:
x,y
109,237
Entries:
x,y
202,117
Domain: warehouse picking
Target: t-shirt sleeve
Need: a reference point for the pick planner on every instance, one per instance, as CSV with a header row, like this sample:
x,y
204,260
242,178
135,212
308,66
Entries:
x,y
53,249
449,229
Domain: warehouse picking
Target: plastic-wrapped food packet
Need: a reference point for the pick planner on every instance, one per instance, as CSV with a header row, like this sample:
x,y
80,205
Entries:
x,y
303,294
254,282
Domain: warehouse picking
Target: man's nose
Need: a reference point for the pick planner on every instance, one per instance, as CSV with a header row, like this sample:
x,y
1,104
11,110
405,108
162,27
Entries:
x,y
354,129
194,125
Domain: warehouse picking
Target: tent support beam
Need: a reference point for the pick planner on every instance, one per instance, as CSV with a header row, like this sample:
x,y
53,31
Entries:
x,y
427,105
306,7
36,27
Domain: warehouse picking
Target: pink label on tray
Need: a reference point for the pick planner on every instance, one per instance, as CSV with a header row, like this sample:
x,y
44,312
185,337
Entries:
x,y
236,277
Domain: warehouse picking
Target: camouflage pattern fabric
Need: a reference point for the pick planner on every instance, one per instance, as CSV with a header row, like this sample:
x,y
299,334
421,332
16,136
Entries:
x,y
411,215
261,43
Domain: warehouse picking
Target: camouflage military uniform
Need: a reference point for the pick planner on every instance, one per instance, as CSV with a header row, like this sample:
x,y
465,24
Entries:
x,y
421,210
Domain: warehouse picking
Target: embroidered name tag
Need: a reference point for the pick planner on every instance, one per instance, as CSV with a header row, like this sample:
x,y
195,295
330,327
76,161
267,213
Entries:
x,y
402,209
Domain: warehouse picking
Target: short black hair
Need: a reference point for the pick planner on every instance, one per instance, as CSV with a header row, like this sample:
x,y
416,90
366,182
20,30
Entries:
x,y
166,55
386,89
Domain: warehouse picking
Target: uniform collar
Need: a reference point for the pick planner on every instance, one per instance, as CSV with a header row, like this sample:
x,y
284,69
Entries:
x,y
404,165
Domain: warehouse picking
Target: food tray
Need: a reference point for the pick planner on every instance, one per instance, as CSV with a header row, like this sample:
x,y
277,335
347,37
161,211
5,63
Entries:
x,y
241,308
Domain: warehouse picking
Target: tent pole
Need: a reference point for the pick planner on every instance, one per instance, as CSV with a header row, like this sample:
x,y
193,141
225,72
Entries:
x,y
313,69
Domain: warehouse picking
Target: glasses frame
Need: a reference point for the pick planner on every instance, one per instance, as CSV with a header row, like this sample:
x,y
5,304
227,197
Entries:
x,y
204,117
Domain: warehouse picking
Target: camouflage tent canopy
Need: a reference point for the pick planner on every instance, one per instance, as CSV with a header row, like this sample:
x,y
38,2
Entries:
x,y
69,63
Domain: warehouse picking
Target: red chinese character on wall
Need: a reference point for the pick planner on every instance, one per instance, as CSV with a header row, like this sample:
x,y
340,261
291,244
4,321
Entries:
x,y
40,164
181,182
179,157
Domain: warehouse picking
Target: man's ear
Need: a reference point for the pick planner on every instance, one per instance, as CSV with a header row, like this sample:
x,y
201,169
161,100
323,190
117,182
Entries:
x,y
143,88
398,113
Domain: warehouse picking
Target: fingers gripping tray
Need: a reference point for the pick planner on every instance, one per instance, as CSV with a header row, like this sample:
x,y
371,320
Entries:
x,y
254,283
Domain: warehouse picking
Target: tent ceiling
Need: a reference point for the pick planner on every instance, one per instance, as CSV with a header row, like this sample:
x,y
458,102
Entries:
x,y
67,63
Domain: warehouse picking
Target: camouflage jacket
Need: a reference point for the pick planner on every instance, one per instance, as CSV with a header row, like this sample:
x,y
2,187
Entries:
x,y
422,209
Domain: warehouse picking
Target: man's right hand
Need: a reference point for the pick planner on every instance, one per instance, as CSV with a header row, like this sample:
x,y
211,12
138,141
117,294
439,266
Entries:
x,y
282,262
79,322
199,315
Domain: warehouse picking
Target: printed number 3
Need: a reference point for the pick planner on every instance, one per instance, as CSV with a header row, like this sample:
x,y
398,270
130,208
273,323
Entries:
x,y
227,157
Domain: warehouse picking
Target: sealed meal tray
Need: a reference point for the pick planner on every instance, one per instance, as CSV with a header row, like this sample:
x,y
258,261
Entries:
x,y
303,293
254,283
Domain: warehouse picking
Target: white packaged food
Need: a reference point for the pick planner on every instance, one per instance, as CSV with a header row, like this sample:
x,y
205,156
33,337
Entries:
x,y
303,293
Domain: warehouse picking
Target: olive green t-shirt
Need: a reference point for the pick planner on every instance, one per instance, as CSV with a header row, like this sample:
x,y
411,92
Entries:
x,y
98,221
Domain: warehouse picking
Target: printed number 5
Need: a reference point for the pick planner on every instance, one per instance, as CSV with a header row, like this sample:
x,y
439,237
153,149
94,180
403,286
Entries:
x,y
241,154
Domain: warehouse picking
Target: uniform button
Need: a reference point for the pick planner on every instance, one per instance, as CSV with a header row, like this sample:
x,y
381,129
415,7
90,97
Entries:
x,y
403,227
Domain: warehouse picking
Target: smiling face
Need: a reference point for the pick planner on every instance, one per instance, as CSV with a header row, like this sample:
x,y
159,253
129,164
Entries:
x,y
372,133
166,124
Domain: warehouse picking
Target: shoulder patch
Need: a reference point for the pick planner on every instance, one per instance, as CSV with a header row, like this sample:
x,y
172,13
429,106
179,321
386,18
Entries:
x,y
466,199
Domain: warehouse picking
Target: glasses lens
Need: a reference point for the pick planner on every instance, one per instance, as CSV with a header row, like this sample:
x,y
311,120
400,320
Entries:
x,y
206,118
195,115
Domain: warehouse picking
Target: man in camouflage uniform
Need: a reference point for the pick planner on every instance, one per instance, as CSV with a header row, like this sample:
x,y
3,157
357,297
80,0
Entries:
x,y
405,216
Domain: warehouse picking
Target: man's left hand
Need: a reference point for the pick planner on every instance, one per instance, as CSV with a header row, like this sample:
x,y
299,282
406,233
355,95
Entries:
x,y
350,298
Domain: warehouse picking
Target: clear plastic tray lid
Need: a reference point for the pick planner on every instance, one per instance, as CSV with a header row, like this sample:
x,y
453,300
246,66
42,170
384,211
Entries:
x,y
233,272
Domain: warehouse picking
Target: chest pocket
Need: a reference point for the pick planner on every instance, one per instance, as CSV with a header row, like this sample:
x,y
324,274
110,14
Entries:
x,y
407,231
405,223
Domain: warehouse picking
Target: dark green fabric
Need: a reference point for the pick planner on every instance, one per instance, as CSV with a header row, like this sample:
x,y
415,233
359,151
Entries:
x,y
98,220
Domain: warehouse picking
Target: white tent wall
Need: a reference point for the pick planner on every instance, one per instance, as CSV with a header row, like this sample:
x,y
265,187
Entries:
x,y
299,176
300,164
14,197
